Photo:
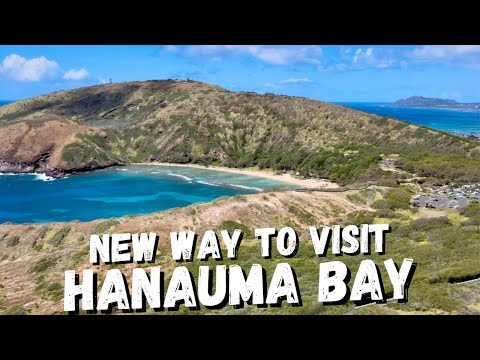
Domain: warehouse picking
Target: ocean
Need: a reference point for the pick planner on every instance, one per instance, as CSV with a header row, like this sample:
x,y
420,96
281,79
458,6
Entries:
x,y
454,121
119,191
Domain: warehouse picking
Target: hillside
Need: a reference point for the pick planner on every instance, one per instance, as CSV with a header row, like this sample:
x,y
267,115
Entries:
x,y
37,145
35,256
424,102
192,122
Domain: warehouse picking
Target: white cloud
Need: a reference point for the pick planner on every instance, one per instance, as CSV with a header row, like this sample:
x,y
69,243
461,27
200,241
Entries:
x,y
296,81
275,55
365,58
443,52
362,55
36,69
28,70
284,83
75,74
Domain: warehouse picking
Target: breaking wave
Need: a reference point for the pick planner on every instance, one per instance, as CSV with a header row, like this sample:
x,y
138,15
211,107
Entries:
x,y
43,177
245,187
38,176
181,176
206,183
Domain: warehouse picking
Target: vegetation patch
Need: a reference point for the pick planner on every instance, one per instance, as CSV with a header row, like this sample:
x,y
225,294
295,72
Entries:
x,y
59,236
14,240
43,265
103,227
230,226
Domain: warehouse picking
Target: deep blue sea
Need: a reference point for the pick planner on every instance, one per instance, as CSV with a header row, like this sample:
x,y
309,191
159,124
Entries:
x,y
455,121
113,192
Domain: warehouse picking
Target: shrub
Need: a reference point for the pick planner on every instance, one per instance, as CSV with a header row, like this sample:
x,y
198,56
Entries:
x,y
43,265
426,224
103,227
399,197
301,215
13,241
386,213
388,182
471,210
55,291
230,226
359,217
383,204
17,310
42,232
59,236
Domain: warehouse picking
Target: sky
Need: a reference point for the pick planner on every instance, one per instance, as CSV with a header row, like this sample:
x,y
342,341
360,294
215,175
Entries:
x,y
337,73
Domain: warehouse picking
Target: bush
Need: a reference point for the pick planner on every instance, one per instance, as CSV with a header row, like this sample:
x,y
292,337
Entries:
x,y
59,236
55,291
426,224
386,213
17,310
301,215
103,227
13,241
471,210
399,197
359,217
383,204
388,182
230,226
42,232
43,265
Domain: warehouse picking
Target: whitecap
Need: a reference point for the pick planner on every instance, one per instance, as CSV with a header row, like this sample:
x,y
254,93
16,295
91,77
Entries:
x,y
181,176
245,187
206,183
43,177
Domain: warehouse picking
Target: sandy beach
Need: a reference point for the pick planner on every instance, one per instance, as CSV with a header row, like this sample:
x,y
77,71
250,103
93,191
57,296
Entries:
x,y
267,174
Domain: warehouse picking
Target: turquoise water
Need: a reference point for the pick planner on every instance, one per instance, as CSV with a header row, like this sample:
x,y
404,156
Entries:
x,y
114,192
455,121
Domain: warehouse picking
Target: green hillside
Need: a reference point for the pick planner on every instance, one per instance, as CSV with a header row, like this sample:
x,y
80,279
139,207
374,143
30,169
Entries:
x,y
192,122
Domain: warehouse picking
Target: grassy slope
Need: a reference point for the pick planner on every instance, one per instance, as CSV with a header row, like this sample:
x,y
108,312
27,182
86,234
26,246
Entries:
x,y
445,249
194,122
185,122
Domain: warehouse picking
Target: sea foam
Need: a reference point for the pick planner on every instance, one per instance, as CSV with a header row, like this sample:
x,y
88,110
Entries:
x,y
181,176
43,177
245,187
206,183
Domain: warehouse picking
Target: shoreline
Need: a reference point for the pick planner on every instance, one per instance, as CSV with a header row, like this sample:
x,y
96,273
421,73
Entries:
x,y
308,183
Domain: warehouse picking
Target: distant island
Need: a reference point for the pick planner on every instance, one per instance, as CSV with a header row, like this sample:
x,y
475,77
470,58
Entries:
x,y
434,103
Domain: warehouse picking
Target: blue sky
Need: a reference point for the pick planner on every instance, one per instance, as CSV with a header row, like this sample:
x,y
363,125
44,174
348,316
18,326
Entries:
x,y
324,72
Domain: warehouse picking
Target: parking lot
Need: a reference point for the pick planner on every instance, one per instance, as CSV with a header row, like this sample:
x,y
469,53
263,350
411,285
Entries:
x,y
444,201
